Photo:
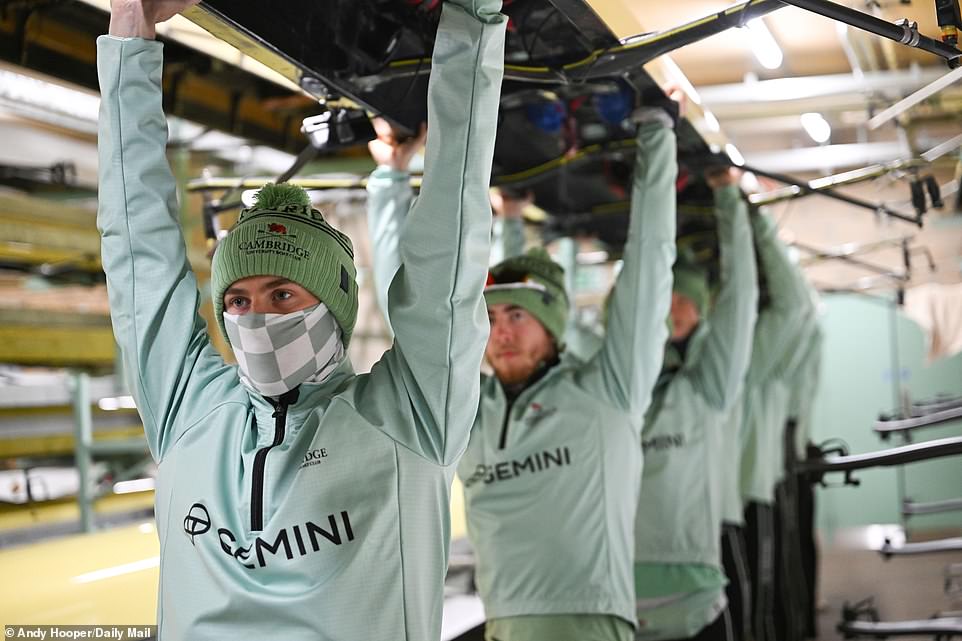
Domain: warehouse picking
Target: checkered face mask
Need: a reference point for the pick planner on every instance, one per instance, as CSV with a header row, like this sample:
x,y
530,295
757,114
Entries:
x,y
277,352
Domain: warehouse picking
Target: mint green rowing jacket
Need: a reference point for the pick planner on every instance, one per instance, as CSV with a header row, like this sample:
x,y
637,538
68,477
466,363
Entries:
x,y
678,522
778,349
551,481
329,521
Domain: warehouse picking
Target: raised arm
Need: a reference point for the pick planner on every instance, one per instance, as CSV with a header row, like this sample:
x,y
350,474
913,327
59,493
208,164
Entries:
x,y
389,196
153,292
512,237
789,312
389,199
720,368
509,223
435,301
634,343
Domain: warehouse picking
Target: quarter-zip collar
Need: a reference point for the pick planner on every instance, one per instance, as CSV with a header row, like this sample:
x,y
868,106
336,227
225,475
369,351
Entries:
x,y
311,396
491,387
679,354
280,405
276,419
514,392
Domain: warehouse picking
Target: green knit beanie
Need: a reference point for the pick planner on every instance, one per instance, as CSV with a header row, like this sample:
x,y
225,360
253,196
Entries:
x,y
535,283
281,235
692,282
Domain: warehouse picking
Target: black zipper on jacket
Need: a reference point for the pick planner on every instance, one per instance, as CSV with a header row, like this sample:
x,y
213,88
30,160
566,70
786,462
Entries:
x,y
260,459
513,392
504,426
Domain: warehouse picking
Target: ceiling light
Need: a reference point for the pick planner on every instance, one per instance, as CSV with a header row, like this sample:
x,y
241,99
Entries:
x,y
711,121
763,44
734,154
677,75
816,126
48,102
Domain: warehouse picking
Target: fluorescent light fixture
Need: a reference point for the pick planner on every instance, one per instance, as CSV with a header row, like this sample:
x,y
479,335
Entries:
x,y
763,44
112,403
21,91
711,121
118,570
679,76
77,109
135,485
734,154
816,126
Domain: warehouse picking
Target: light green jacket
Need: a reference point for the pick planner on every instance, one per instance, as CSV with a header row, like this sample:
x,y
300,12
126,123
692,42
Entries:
x,y
777,350
551,483
355,483
678,522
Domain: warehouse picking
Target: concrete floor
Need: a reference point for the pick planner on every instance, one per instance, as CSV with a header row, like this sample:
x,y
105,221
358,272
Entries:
x,y
903,587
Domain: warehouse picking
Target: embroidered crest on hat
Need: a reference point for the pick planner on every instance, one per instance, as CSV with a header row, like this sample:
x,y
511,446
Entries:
x,y
282,235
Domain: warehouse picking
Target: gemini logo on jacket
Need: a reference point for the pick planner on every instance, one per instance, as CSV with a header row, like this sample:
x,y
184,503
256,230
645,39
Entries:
x,y
662,442
301,539
298,517
531,464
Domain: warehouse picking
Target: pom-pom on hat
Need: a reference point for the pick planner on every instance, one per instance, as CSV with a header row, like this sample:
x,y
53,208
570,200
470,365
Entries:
x,y
282,235
535,283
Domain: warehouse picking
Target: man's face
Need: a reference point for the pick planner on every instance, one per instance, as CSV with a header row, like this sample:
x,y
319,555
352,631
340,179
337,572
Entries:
x,y
518,343
266,295
684,316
